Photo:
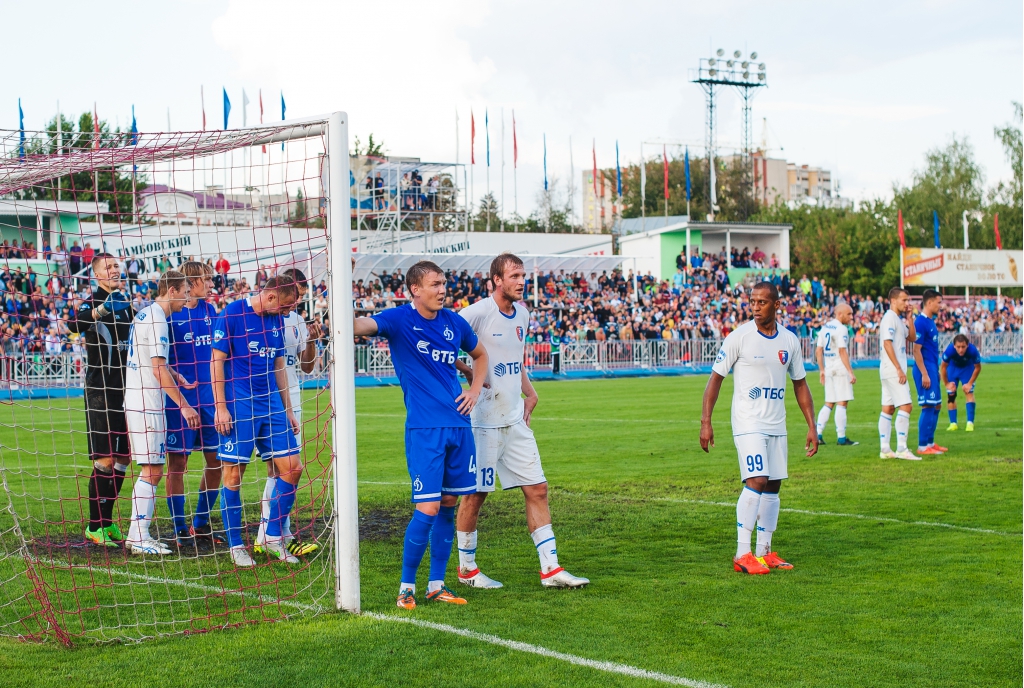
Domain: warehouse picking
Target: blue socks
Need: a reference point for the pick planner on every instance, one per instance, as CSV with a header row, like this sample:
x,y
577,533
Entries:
x,y
441,537
231,513
176,505
417,535
281,502
952,414
206,503
970,411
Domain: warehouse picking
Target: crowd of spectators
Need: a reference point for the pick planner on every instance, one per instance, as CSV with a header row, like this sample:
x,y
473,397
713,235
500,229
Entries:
x,y
701,303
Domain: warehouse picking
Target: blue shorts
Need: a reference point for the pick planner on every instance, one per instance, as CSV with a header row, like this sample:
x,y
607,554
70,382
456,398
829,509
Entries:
x,y
440,461
932,395
960,376
260,426
182,439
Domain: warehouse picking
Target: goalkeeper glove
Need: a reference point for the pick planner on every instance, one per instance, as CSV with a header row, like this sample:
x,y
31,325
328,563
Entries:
x,y
115,303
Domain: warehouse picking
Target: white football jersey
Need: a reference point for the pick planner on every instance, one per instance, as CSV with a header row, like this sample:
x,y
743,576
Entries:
x,y
296,335
833,337
504,339
149,338
893,328
759,366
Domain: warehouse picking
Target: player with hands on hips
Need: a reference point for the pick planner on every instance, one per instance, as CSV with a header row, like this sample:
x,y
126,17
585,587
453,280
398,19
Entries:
x,y
894,334
926,373
835,372
760,354
425,340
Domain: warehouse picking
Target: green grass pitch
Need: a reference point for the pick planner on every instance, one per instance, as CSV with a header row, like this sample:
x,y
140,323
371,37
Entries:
x,y
907,573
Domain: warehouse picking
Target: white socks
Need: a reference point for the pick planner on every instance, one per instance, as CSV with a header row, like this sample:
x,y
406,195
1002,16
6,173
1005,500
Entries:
x,y
746,517
268,493
407,586
143,500
767,521
884,431
840,421
467,550
544,539
823,415
902,428
433,586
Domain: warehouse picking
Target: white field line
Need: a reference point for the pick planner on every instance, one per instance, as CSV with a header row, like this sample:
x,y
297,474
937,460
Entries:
x,y
609,667
183,584
664,421
861,517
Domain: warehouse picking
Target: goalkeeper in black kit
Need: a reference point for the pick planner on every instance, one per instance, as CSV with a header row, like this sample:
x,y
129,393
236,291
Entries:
x,y
105,323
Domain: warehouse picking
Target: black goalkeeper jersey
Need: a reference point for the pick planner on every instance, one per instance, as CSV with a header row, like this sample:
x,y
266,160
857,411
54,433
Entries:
x,y
106,344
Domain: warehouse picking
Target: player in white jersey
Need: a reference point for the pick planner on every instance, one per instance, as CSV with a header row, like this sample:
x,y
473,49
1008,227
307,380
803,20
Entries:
x,y
835,372
300,354
505,446
894,332
760,354
147,379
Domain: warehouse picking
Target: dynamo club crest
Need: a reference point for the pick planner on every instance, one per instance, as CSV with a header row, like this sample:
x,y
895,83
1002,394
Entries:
x,y
519,332
784,356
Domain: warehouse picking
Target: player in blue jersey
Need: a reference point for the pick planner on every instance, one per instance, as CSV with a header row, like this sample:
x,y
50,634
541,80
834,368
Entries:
x,y
961,365
253,409
926,373
425,340
191,347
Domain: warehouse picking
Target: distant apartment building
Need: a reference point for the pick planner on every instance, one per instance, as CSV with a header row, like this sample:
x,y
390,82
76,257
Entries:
x,y
775,178
600,207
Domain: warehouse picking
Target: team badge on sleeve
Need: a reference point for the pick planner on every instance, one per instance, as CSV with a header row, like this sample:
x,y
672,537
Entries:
x,y
784,356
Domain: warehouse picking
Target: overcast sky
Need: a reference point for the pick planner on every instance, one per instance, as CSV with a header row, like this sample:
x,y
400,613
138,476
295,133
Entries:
x,y
864,89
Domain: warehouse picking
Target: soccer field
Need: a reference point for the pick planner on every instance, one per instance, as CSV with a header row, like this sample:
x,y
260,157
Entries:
x,y
906,573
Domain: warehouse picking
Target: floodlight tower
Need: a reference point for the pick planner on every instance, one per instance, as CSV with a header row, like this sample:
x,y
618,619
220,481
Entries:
x,y
743,74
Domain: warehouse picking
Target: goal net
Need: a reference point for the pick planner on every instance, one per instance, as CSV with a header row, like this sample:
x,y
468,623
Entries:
x,y
251,204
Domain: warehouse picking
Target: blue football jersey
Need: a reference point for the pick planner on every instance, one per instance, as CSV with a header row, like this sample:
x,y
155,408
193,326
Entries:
x,y
927,339
424,354
192,346
971,357
252,343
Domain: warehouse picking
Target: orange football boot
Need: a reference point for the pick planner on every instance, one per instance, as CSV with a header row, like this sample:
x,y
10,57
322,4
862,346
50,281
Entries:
x,y
443,594
773,561
406,600
748,563
941,448
930,451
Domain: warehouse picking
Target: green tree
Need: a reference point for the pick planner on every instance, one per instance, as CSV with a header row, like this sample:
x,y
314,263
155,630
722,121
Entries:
x,y
115,185
1006,199
950,183
373,148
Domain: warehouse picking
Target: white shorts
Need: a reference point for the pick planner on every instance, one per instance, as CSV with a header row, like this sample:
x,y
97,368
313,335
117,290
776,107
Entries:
x,y
512,452
837,385
895,394
147,435
762,455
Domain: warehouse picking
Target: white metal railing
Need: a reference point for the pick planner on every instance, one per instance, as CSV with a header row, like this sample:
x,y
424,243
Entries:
x,y
43,370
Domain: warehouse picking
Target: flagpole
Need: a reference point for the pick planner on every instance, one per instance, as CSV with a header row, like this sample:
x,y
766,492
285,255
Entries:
x,y
501,218
60,142
572,189
515,168
643,190
487,137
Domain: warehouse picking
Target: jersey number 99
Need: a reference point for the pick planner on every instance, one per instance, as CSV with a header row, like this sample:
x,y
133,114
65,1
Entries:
x,y
755,463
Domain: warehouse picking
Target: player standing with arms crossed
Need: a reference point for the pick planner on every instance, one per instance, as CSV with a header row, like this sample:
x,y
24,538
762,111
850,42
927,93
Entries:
x,y
501,428
105,322
926,373
835,372
760,354
253,409
191,350
425,340
147,380
961,364
299,354
894,334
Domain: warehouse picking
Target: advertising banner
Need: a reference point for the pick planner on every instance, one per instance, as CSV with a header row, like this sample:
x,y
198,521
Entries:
x,y
948,267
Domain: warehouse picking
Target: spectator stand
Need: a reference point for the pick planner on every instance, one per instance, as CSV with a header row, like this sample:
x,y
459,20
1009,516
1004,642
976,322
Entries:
x,y
392,194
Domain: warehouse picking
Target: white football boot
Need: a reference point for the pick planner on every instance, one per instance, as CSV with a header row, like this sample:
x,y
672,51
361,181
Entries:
x,y
907,455
477,579
148,546
560,578
240,557
275,548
